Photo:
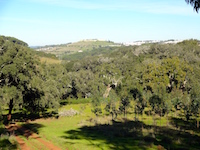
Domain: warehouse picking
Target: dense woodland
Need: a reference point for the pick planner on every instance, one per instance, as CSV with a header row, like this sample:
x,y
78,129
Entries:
x,y
162,77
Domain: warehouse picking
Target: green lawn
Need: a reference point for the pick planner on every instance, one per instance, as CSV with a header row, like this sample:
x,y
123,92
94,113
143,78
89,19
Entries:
x,y
85,131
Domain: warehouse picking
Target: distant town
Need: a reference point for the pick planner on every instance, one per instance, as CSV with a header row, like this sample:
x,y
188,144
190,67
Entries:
x,y
172,41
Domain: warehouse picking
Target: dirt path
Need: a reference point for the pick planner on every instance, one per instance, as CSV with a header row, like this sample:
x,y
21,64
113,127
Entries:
x,y
22,143
34,141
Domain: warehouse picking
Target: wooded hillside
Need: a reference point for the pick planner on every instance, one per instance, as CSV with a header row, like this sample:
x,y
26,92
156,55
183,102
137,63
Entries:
x,y
163,76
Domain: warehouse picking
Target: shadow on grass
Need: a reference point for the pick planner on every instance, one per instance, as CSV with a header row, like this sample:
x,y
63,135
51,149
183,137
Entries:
x,y
184,125
134,135
24,116
25,130
28,129
33,127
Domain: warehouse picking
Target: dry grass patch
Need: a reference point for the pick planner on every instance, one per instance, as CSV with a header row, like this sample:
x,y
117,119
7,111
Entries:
x,y
49,60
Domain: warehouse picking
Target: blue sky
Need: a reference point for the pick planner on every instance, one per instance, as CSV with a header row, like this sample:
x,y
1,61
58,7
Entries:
x,y
43,22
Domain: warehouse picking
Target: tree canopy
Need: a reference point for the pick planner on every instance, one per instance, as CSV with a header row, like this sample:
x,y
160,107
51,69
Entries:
x,y
23,85
195,4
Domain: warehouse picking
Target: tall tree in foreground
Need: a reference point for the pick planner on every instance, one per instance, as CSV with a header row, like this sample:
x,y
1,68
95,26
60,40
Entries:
x,y
18,67
21,83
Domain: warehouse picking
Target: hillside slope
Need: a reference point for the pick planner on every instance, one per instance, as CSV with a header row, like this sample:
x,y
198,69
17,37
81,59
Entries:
x,y
80,46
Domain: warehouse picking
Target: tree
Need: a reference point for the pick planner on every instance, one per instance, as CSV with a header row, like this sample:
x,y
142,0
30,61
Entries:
x,y
96,105
14,40
187,106
21,82
17,67
195,97
167,105
156,104
124,104
176,99
56,82
170,73
140,101
111,105
84,80
194,3
191,102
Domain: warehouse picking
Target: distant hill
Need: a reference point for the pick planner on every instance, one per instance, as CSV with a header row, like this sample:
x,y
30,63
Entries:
x,y
19,44
13,40
81,46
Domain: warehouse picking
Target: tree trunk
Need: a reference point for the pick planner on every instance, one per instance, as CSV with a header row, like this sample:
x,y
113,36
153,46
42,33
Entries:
x,y
160,120
175,113
115,115
124,112
106,94
10,110
135,113
10,106
197,123
142,121
160,116
167,120
112,115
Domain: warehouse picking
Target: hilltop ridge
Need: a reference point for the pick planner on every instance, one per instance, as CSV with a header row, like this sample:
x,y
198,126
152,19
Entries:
x,y
80,46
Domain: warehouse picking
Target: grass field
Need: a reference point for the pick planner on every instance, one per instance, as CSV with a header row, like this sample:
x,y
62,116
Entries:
x,y
86,131
77,46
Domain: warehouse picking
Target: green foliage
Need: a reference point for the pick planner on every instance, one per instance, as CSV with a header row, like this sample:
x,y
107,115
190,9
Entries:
x,y
17,69
80,49
76,101
140,102
163,76
13,40
189,43
1,115
124,103
8,143
84,54
111,103
171,73
154,69
96,106
155,102
43,54
23,82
